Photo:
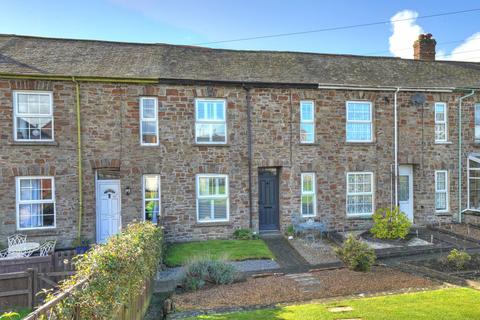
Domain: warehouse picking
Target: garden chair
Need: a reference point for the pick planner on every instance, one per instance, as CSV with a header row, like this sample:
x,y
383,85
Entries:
x,y
47,247
4,254
16,239
307,226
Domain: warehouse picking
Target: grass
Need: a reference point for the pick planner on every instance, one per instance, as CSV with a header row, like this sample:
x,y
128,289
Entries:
x,y
179,253
22,313
451,304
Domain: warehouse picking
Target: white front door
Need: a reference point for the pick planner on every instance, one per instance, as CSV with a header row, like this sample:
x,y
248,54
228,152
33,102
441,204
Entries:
x,y
108,209
405,190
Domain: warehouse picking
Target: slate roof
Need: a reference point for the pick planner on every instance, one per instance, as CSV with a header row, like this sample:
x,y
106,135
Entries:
x,y
35,55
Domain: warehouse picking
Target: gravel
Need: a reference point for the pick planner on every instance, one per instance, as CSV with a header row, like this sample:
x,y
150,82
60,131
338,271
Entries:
x,y
315,252
280,289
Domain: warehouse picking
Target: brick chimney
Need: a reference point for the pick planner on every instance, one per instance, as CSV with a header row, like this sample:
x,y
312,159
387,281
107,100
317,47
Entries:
x,y
424,48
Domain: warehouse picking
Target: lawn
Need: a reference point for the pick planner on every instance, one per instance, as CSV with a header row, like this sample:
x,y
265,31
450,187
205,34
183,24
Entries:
x,y
451,304
179,253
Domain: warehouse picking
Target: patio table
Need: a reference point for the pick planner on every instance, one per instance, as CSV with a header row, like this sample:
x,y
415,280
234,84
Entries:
x,y
24,247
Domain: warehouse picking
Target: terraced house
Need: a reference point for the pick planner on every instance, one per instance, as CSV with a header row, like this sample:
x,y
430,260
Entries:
x,y
96,134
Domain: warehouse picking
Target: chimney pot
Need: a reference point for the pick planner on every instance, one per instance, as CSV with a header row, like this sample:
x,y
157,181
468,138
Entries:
x,y
424,47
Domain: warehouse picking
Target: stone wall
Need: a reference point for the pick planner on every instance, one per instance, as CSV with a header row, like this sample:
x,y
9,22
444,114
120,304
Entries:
x,y
110,133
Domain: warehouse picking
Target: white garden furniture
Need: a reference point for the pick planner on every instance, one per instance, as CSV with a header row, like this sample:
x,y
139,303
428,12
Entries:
x,y
47,247
23,249
16,239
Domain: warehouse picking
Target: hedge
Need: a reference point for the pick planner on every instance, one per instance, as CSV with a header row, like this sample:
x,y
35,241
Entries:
x,y
115,272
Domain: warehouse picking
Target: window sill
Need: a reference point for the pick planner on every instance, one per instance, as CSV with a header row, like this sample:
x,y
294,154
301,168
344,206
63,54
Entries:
x,y
360,217
368,143
214,224
443,142
309,144
33,143
443,213
225,145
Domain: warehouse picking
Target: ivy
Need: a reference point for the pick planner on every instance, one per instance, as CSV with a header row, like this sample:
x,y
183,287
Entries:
x,y
115,272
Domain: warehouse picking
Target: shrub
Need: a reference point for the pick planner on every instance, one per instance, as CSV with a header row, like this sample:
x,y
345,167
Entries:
x,y
244,234
458,259
290,231
390,224
10,316
356,254
205,269
114,272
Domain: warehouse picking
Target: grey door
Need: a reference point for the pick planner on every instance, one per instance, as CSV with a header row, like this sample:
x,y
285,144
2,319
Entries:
x,y
268,199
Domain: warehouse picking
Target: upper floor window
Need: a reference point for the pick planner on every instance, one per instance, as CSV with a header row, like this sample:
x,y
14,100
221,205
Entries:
x,y
477,122
33,116
212,197
441,191
35,202
210,121
359,193
440,122
151,197
359,121
307,122
148,121
309,206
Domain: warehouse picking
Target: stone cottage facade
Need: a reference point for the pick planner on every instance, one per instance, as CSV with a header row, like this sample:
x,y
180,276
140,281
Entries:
x,y
95,135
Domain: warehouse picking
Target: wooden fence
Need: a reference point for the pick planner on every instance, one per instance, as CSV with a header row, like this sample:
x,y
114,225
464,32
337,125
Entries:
x,y
135,309
22,279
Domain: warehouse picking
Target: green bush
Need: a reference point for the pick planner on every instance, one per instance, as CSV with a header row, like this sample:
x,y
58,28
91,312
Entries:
x,y
115,272
458,259
390,224
290,231
205,269
244,234
356,254
10,316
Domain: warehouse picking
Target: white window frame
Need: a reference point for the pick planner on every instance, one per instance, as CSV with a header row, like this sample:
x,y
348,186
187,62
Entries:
x,y
312,193
372,193
227,196
476,107
159,199
302,121
359,121
475,158
27,115
142,119
19,202
447,209
197,121
442,122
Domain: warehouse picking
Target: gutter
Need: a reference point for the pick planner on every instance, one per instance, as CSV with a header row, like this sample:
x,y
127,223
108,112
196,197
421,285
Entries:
x,y
460,158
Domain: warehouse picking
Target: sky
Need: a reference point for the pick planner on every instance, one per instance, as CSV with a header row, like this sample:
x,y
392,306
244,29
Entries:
x,y
191,22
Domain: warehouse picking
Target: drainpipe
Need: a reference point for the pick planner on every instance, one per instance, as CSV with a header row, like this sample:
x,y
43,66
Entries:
x,y
79,159
460,153
395,117
250,154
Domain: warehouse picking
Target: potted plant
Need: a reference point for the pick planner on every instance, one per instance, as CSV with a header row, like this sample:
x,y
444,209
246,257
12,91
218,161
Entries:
x,y
81,245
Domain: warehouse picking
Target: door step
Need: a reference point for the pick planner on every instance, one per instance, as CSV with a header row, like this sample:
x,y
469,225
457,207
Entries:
x,y
267,233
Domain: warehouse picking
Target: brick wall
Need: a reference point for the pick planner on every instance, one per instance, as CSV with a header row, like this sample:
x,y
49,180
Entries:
x,y
110,133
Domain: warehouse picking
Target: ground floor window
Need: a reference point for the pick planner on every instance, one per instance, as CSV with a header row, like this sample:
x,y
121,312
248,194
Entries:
x,y
308,195
35,202
151,197
441,191
212,198
474,183
359,193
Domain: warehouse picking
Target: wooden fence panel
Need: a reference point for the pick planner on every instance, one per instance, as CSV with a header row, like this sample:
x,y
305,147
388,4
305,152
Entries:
x,y
17,289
